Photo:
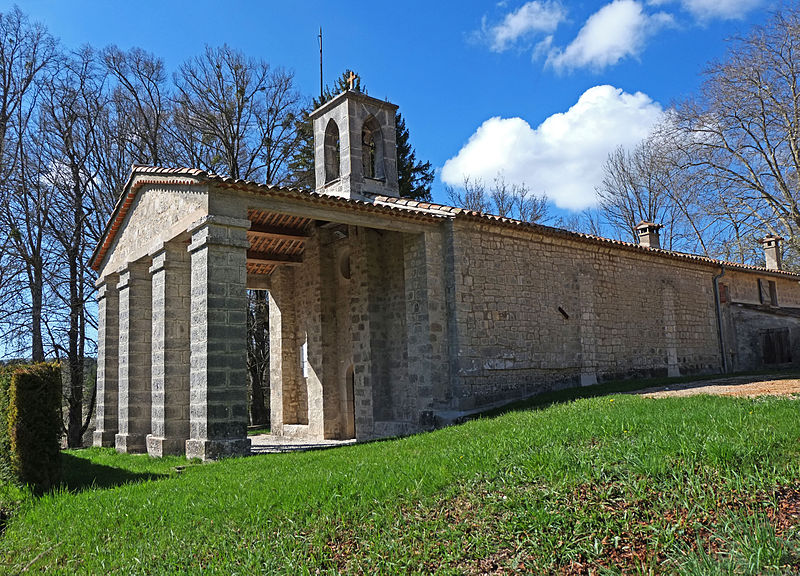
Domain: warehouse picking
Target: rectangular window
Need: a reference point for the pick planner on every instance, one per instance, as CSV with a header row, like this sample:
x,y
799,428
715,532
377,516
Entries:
x,y
773,294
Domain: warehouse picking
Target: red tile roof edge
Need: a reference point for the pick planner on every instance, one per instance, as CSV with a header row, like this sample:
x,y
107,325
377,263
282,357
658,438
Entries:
x,y
406,207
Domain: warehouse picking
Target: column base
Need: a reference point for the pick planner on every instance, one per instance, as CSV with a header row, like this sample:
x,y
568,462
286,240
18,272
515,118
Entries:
x,y
130,443
104,438
158,447
217,449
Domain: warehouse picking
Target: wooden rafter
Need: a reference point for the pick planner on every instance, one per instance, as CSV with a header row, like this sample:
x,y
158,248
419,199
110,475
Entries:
x,y
272,259
274,233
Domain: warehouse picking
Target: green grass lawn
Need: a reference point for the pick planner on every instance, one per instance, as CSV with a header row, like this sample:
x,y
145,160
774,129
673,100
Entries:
x,y
698,485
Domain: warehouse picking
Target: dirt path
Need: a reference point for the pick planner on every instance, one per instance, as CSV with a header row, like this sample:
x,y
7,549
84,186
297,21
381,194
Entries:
x,y
750,386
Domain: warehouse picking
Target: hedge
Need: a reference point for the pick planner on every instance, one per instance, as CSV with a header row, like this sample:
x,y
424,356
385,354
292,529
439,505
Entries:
x,y
6,474
34,425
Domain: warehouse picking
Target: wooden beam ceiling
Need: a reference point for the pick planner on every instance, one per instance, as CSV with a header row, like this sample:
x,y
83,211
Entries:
x,y
273,233
272,259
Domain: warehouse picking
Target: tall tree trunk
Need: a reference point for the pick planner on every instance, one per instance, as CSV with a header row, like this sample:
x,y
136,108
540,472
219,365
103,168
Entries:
x,y
75,417
37,288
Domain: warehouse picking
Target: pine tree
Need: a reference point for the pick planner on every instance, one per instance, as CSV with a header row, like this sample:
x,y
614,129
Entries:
x,y
414,177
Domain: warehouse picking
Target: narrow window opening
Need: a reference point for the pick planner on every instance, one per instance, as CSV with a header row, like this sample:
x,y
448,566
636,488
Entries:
x,y
372,150
332,151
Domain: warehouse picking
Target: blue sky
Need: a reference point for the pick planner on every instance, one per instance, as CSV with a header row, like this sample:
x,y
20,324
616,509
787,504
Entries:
x,y
540,91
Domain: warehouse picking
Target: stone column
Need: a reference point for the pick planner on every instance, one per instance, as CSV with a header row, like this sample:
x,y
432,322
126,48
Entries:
x,y
106,418
170,371
135,334
218,331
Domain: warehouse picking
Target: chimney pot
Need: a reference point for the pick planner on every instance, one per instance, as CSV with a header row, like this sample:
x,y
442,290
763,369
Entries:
x,y
772,251
648,233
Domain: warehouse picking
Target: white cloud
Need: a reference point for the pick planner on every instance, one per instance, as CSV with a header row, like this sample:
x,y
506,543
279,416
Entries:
x,y
705,10
614,32
531,18
563,157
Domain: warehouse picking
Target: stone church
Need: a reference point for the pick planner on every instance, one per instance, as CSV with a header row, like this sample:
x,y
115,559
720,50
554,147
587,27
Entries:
x,y
389,316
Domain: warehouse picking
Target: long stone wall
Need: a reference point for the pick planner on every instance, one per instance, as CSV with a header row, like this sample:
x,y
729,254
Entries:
x,y
534,313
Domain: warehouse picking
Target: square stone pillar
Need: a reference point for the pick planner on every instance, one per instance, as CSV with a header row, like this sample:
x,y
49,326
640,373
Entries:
x,y
218,331
170,371
288,394
107,407
135,335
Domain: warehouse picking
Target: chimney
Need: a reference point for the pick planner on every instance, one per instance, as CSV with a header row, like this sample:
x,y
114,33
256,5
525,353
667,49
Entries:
x,y
648,234
772,251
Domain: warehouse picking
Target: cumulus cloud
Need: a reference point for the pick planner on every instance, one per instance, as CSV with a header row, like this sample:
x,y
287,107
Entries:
x,y
705,10
530,19
617,30
562,157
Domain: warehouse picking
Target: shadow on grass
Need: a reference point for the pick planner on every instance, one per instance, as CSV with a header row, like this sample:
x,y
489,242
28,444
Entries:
x,y
621,387
80,474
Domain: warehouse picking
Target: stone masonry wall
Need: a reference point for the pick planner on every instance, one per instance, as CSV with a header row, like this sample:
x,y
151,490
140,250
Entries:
x,y
394,406
750,325
535,313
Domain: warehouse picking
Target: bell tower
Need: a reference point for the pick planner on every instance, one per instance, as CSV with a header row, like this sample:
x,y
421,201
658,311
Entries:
x,y
355,146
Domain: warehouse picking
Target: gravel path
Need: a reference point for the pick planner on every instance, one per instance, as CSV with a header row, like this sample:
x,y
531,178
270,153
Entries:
x,y
749,386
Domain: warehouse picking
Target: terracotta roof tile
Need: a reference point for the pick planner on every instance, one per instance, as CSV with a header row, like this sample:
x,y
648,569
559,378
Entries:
x,y
379,204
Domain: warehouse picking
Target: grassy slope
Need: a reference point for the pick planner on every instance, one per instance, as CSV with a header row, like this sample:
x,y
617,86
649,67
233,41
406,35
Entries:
x,y
686,484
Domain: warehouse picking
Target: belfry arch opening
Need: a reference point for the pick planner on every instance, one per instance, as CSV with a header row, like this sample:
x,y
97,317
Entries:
x,y
372,156
332,151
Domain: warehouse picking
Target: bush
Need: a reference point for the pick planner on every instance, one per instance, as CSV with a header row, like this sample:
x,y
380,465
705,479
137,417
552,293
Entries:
x,y
6,474
34,425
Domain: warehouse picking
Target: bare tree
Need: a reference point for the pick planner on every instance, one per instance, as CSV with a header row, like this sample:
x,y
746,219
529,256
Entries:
x,y
510,200
471,195
26,52
142,98
278,126
74,102
26,49
654,183
235,115
744,128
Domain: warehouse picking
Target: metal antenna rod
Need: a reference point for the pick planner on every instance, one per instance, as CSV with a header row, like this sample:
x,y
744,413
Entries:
x,y
321,91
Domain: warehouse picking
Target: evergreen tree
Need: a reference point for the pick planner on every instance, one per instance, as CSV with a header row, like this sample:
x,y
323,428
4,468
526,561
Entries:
x,y
414,177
